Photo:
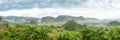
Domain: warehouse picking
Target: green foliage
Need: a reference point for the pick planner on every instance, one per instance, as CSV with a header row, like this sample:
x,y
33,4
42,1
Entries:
x,y
24,32
64,36
0,18
92,33
1,35
113,33
69,36
51,32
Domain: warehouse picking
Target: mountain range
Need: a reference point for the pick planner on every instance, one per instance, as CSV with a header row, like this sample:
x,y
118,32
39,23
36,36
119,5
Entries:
x,y
61,18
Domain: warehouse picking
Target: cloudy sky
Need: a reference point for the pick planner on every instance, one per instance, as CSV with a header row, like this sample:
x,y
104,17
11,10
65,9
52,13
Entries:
x,y
102,9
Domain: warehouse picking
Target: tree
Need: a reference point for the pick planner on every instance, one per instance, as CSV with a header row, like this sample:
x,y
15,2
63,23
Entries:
x,y
0,18
25,33
64,36
113,33
69,36
93,33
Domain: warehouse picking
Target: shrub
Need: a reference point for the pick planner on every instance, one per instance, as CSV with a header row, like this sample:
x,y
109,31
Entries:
x,y
113,33
93,33
24,32
69,36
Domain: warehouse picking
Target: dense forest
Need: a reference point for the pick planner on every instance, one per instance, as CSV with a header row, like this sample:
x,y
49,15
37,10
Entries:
x,y
70,30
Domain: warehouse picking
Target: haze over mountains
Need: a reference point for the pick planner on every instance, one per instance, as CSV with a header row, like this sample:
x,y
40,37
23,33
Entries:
x,y
102,9
47,19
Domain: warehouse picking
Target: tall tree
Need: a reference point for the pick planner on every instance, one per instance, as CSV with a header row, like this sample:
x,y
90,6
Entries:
x,y
0,18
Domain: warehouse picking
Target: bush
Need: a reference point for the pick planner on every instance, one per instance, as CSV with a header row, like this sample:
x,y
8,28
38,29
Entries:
x,y
92,33
25,33
113,33
69,36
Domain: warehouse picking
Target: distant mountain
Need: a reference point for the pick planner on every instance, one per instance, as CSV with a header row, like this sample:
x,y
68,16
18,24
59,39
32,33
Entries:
x,y
60,18
64,18
47,19
17,19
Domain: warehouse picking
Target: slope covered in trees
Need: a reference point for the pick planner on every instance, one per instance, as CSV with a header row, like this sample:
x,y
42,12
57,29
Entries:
x,y
114,23
71,30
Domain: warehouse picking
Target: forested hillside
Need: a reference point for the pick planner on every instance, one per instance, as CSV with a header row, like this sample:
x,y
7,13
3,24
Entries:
x,y
59,19
71,30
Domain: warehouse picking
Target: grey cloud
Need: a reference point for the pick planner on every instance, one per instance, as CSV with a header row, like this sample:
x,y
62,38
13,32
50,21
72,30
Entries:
x,y
28,4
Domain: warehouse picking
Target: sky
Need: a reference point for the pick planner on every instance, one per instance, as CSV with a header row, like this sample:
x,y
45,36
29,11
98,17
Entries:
x,y
101,9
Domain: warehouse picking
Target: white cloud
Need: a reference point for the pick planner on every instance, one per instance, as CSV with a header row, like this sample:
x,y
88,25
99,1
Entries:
x,y
86,12
1,1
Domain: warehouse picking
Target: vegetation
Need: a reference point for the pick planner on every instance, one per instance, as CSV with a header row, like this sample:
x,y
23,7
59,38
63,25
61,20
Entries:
x,y
71,30
0,18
